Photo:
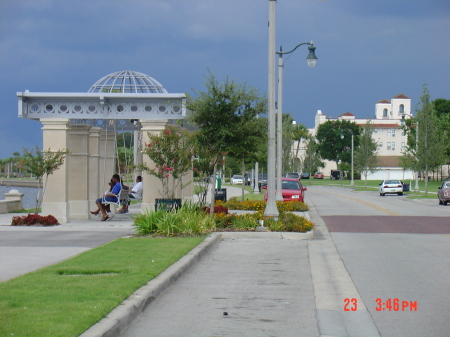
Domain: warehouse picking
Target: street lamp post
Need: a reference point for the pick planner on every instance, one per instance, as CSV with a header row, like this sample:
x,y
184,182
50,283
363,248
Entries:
x,y
271,206
352,181
311,59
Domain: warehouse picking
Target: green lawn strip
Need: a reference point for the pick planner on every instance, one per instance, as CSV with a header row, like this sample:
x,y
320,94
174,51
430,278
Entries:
x,y
29,210
67,298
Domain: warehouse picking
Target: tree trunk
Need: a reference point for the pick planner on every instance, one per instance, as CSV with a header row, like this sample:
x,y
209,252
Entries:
x,y
243,179
213,189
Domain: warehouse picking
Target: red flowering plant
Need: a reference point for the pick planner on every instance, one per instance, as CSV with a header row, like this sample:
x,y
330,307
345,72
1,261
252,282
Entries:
x,y
171,153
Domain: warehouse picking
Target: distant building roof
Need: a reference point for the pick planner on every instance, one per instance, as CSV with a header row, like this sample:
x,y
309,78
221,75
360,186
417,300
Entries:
x,y
347,114
401,96
384,101
388,161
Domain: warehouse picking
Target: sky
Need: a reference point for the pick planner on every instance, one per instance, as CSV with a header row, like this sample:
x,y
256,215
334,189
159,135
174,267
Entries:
x,y
367,51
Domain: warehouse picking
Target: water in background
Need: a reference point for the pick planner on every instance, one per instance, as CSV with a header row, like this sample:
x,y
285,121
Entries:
x,y
29,198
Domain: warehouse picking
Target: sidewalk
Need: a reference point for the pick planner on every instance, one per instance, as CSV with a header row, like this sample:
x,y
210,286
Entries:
x,y
263,285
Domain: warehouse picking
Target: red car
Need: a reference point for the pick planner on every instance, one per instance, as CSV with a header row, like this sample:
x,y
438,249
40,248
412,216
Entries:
x,y
292,189
318,175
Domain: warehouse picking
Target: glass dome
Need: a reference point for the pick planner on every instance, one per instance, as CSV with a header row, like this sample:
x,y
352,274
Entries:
x,y
127,82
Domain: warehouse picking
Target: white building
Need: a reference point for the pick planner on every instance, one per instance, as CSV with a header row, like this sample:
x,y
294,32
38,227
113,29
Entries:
x,y
387,133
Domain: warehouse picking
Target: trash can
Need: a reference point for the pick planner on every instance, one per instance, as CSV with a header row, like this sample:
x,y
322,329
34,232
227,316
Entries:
x,y
218,183
405,187
221,194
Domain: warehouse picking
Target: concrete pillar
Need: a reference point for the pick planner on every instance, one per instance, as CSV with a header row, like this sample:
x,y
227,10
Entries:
x,y
151,186
56,201
95,189
78,171
107,151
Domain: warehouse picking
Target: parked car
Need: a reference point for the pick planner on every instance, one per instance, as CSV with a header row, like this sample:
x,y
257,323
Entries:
x,y
318,175
236,180
292,189
391,186
444,193
293,175
304,175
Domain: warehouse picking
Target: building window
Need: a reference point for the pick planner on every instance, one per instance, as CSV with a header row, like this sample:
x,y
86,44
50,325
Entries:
x,y
402,109
385,113
389,131
388,145
403,146
375,130
393,145
380,144
393,132
380,131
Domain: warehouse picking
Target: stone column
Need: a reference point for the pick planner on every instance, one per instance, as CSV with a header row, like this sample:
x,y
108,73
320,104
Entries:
x,y
150,184
55,137
107,151
78,171
95,190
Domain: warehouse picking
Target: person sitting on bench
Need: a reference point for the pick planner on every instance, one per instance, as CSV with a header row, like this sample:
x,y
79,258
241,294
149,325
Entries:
x,y
109,196
136,193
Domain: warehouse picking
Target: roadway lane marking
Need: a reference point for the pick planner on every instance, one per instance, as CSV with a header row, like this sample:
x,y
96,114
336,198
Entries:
x,y
381,209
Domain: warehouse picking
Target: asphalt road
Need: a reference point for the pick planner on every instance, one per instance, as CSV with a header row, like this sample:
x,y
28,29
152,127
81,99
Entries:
x,y
382,244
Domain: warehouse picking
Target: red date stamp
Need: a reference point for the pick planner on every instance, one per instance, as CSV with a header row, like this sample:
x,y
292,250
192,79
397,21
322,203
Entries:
x,y
391,304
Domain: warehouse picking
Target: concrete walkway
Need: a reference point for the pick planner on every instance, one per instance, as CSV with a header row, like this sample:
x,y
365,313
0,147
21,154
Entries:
x,y
243,287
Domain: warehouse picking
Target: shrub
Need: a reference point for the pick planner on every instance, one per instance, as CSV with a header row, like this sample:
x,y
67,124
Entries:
x,y
217,209
223,220
188,220
245,221
34,219
146,223
259,205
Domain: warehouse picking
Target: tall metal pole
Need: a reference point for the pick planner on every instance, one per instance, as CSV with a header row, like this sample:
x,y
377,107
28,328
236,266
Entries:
x,y
416,185
256,187
271,206
352,182
279,194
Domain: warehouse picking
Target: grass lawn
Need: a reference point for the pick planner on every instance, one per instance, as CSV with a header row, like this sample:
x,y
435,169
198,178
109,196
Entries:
x,y
29,210
372,185
67,298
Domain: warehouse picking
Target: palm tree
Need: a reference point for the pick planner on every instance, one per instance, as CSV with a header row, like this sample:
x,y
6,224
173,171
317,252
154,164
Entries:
x,y
299,132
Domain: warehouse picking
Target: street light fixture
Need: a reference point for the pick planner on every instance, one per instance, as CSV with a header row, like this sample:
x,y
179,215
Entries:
x,y
311,60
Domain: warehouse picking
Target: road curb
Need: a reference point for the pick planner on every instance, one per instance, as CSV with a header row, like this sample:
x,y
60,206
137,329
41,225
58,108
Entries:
x,y
118,320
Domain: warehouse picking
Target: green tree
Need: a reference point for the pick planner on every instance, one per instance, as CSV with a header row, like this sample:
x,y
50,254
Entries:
x,y
220,112
442,108
249,132
430,152
312,160
365,159
42,164
331,145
